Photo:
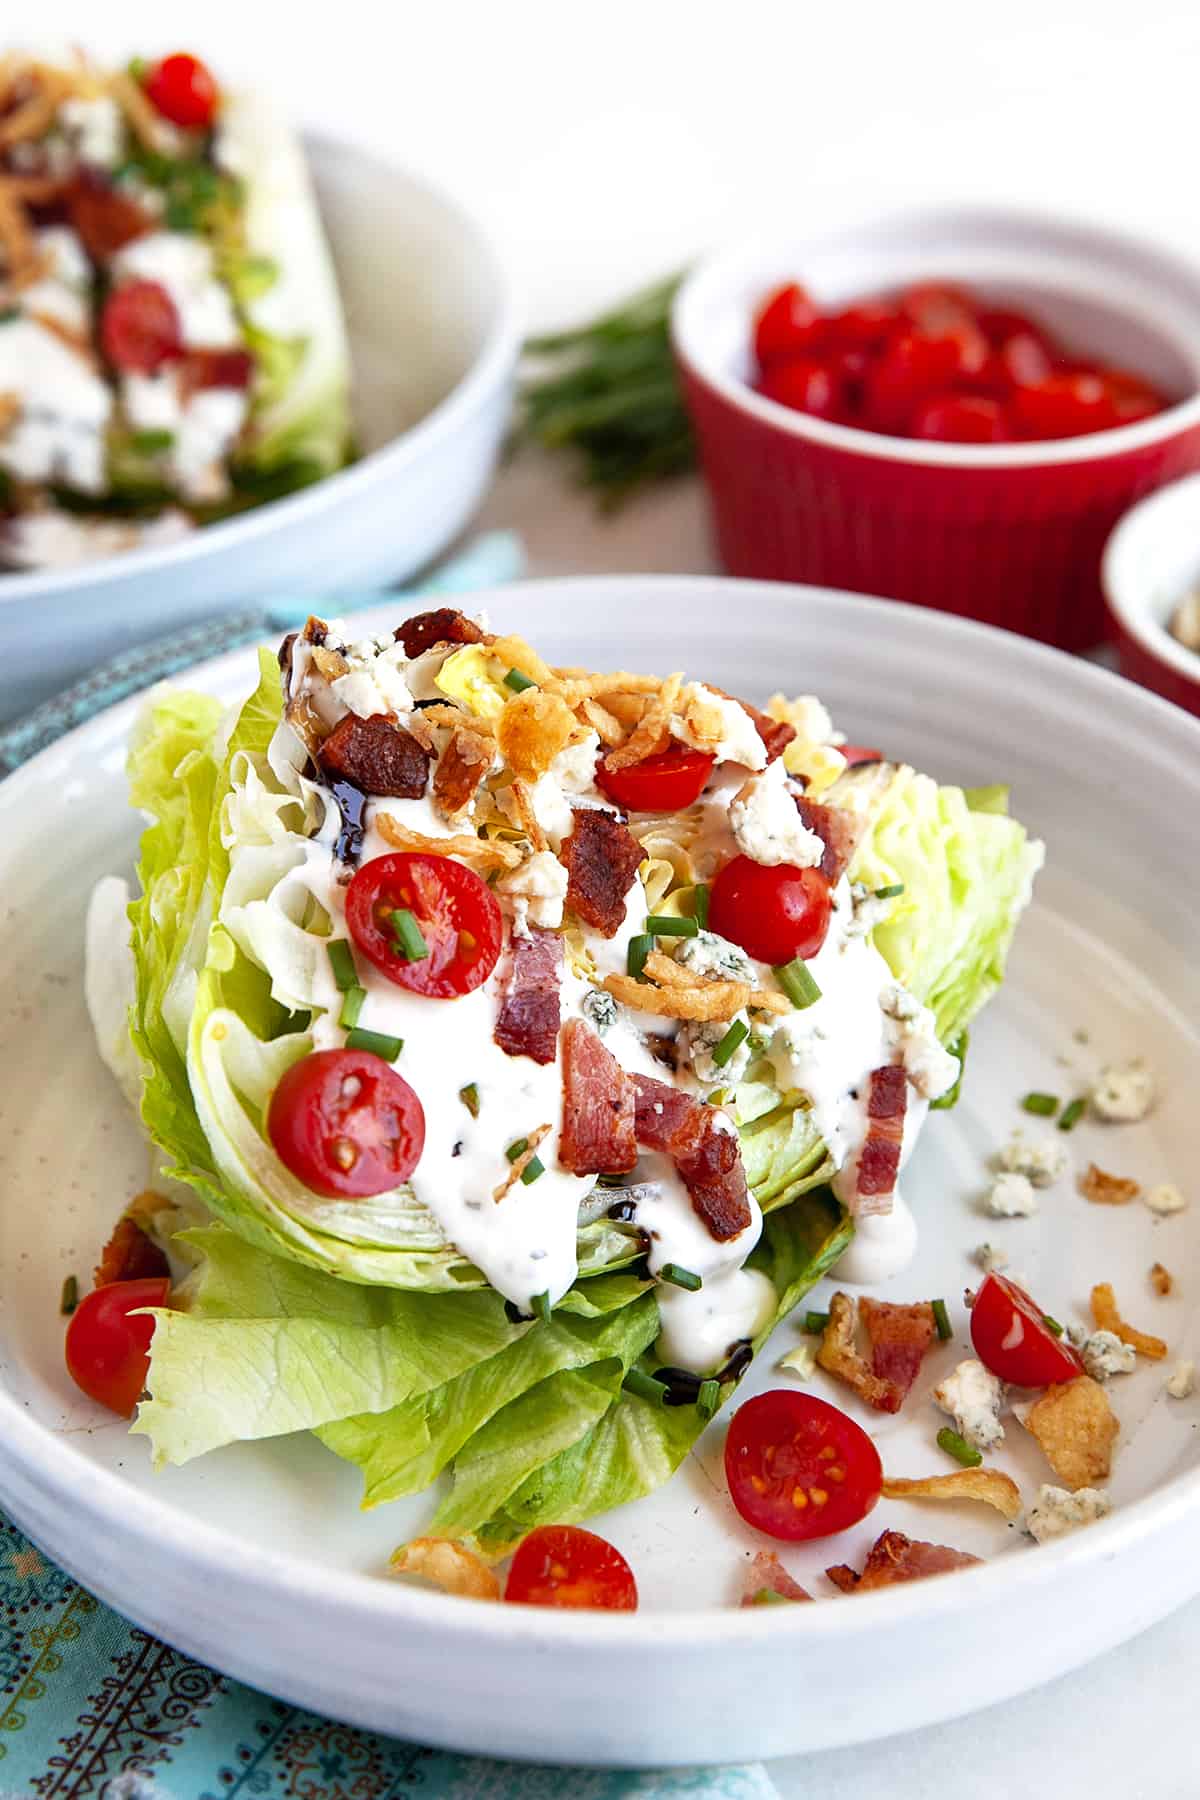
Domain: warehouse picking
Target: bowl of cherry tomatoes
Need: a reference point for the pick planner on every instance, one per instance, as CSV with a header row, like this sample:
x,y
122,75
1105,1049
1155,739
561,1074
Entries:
x,y
952,408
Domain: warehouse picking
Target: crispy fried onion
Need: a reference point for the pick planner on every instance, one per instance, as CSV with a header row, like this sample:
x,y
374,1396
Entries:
x,y
1076,1428
988,1485
37,90
514,653
521,1163
1161,1279
1107,1315
653,733
677,992
10,409
145,121
607,727
531,731
1103,1189
492,852
523,806
448,1565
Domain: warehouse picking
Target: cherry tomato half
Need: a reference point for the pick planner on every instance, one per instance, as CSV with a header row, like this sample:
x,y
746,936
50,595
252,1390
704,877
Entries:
x,y
798,1467
665,783
774,912
788,323
140,329
1010,1335
182,89
345,1124
108,1352
560,1565
456,912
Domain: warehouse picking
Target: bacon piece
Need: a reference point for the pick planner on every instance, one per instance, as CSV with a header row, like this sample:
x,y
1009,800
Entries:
x,y
706,1155
767,1574
530,1012
377,756
445,625
598,1135
460,769
601,858
202,369
879,1158
837,829
104,219
663,1112
899,1336
840,1356
129,1255
893,1558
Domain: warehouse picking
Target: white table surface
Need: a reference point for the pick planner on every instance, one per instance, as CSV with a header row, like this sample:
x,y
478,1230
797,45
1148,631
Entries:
x,y
604,146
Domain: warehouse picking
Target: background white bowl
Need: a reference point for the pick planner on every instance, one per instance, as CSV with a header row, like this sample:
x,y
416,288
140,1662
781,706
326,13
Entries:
x,y
434,341
1151,562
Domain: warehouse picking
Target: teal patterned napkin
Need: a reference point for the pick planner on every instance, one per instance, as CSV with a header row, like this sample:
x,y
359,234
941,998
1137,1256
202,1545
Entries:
x,y
91,1706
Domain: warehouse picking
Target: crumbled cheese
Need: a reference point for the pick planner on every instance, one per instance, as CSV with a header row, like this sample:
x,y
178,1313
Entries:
x,y
96,129
575,767
1165,1199
807,715
374,682
912,1030
600,1009
537,888
1124,1093
972,1396
1041,1162
709,954
698,1041
59,433
1103,1352
766,825
739,741
801,1361
63,292
1011,1197
549,805
1056,1511
1182,1380
989,1257
868,910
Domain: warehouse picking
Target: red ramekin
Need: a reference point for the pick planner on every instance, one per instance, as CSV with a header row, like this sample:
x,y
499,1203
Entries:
x,y
1008,533
1152,561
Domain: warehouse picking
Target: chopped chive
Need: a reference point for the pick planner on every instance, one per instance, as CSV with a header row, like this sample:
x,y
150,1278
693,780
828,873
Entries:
x,y
660,925
680,1277
376,1042
709,1397
341,958
1071,1115
941,1319
533,1168
70,1296
1044,1105
1052,1325
797,983
958,1448
150,442
635,957
815,1323
469,1096
541,1306
8,314
518,682
352,1005
700,904
645,1387
890,892
517,1149
737,1034
409,942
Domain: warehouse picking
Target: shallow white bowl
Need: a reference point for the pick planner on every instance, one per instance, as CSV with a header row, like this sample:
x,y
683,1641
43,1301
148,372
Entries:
x,y
434,340
1151,561
255,1559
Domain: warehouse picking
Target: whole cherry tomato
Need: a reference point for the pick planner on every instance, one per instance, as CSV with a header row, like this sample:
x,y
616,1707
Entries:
x,y
345,1124
798,1467
456,914
666,783
107,1349
805,385
183,90
775,912
562,1565
1010,1335
960,419
140,330
787,324
1064,406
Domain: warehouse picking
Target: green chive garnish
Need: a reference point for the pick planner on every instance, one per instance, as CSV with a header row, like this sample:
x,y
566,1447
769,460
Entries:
x,y
660,925
70,1297
797,983
541,1306
680,1277
8,314
941,1319
150,442
1071,1115
518,682
376,1042
517,1149
709,1397
737,1034
409,942
815,1323
645,1387
341,958
469,1096
635,957
533,1168
958,1448
1052,1325
700,904
891,892
352,1006
1044,1105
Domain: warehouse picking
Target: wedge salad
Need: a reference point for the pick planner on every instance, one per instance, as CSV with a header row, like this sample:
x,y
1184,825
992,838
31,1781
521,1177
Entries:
x,y
517,1045
171,340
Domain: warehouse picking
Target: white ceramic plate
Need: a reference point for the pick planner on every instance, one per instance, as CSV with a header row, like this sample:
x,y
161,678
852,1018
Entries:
x,y
255,1559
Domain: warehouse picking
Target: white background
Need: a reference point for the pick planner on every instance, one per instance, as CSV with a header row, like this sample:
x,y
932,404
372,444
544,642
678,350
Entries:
x,y
607,143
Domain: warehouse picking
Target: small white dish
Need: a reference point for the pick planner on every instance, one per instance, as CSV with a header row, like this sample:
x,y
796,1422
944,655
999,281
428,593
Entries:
x,y
1151,562
434,339
256,1559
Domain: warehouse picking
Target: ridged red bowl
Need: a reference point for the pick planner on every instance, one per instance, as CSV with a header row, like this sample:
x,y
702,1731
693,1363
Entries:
x,y
1008,533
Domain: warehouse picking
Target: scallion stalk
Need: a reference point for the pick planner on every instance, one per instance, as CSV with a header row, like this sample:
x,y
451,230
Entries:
x,y
797,983
737,1034
376,1042
958,1447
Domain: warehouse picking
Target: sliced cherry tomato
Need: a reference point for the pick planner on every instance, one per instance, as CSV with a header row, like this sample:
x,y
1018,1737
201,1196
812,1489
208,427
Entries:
x,y
788,323
1010,1335
960,419
805,385
108,1352
860,753
665,783
345,1124
182,89
775,912
561,1565
798,1467
457,914
140,329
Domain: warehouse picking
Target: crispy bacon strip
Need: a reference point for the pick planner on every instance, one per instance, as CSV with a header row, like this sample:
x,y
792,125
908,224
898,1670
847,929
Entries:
x,y
705,1153
461,768
492,852
129,1254
599,1107
879,1158
601,858
893,1558
837,829
444,625
899,1336
104,219
767,1574
377,755
530,1011
840,1355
